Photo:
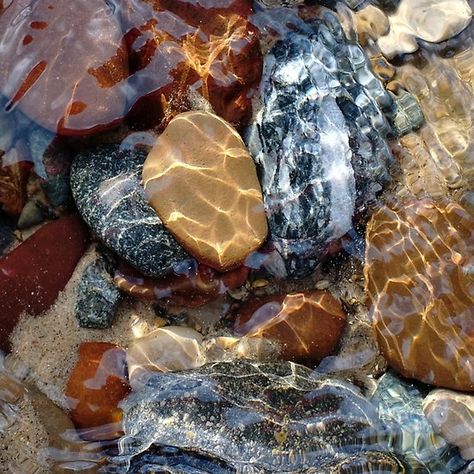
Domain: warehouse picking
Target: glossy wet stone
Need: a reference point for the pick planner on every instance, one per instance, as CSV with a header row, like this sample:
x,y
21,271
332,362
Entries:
x,y
400,403
419,283
105,184
6,233
252,416
96,385
97,296
191,285
318,142
451,415
202,182
33,274
307,326
182,49
13,181
48,70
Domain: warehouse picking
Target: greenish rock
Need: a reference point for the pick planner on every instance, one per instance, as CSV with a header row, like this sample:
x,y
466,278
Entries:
x,y
97,297
406,115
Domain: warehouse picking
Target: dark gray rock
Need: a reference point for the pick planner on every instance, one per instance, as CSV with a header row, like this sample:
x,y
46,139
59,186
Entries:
x,y
97,296
6,233
318,142
253,417
105,184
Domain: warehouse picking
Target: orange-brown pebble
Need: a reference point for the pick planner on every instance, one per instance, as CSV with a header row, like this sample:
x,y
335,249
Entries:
x,y
202,182
419,277
97,384
306,325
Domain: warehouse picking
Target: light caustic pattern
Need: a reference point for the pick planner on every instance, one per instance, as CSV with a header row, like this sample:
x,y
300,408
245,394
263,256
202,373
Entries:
x,y
203,184
419,277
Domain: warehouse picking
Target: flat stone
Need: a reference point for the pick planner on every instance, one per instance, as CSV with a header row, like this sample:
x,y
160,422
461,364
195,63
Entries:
x,y
97,296
307,326
105,183
318,142
418,273
202,182
451,414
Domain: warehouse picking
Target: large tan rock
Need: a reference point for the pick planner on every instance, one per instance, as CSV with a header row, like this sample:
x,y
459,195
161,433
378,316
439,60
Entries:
x,y
202,182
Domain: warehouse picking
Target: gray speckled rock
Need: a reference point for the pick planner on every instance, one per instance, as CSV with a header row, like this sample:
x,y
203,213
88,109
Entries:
x,y
6,233
97,296
401,402
281,3
318,142
105,184
253,417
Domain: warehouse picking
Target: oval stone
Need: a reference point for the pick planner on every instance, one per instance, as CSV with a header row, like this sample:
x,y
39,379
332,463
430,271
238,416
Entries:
x,y
202,182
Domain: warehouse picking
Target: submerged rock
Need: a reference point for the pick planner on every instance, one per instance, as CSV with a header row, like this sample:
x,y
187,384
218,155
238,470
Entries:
x,y
253,417
105,183
318,142
97,296
400,403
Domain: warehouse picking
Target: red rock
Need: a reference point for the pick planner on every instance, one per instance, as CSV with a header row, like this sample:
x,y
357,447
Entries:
x,y
63,63
33,274
197,286
178,45
13,180
307,325
96,385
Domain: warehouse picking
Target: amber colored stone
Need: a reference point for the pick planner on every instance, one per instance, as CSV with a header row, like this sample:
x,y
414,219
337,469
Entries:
x,y
194,287
67,75
202,182
95,387
33,274
13,180
419,281
306,325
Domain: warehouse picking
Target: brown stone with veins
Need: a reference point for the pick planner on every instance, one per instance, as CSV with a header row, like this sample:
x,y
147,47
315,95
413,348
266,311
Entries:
x,y
419,277
306,325
202,182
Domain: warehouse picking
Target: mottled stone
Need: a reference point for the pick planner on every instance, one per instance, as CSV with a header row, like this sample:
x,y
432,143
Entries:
x,y
400,403
33,274
6,233
13,181
419,281
253,417
166,349
191,285
105,183
428,20
202,182
318,142
407,114
96,385
97,296
452,416
307,326
281,3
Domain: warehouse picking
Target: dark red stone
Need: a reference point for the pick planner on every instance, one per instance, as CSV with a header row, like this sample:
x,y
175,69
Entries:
x,y
96,385
63,66
195,287
33,274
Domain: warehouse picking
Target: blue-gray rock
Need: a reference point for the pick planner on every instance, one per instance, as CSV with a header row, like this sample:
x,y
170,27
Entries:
x,y
106,187
97,296
400,404
318,142
253,417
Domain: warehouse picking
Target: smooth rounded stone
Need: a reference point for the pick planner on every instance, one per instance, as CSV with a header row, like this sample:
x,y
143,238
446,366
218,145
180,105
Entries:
x,y
254,417
318,142
418,274
105,184
281,3
400,403
33,274
202,182
97,296
429,20
166,349
451,415
96,385
192,286
67,96
307,326
407,114
13,181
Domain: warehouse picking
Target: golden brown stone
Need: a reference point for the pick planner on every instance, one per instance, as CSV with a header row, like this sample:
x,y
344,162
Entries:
x,y
419,282
202,182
